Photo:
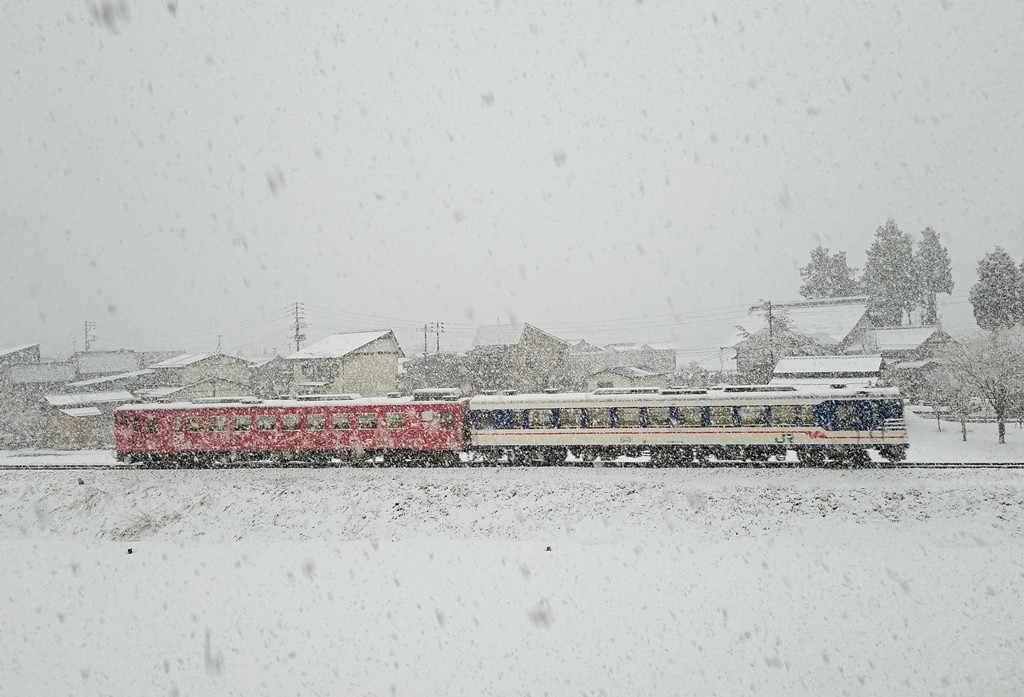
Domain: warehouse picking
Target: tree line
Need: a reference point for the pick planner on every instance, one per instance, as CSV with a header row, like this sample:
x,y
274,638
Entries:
x,y
897,278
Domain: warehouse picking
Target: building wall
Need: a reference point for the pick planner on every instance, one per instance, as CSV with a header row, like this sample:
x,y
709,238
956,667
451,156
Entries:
x,y
226,368
610,379
368,374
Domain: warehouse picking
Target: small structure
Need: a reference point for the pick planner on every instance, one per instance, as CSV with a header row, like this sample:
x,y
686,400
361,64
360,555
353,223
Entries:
x,y
83,420
193,368
862,371
628,376
364,363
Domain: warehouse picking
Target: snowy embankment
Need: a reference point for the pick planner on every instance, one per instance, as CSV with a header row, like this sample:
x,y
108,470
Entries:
x,y
488,581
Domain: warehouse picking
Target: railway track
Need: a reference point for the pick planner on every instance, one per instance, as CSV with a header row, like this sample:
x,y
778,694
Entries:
x,y
618,465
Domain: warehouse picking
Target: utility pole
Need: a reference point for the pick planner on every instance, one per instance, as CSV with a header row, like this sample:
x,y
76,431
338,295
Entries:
x,y
89,336
300,323
771,335
438,328
424,340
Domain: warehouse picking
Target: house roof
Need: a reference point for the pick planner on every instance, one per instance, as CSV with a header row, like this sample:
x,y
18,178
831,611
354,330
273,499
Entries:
x,y
97,362
828,322
30,373
80,412
902,338
828,365
860,381
714,360
498,335
632,372
88,398
182,360
338,345
15,349
110,378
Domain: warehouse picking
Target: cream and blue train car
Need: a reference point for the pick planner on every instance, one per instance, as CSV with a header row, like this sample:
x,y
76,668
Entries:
x,y
681,426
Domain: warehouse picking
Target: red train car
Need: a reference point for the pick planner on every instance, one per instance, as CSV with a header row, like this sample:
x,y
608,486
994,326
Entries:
x,y
402,430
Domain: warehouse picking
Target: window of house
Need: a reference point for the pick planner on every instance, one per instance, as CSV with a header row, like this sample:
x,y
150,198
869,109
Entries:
x,y
447,419
367,421
721,416
340,421
291,422
218,423
151,424
266,423
395,419
316,422
196,424
243,422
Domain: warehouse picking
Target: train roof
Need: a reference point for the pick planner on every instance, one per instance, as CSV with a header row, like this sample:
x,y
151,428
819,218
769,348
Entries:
x,y
251,402
731,394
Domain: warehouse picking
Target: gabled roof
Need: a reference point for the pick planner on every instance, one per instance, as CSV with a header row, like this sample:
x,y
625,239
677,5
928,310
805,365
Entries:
x,y
110,378
16,349
88,398
827,321
828,365
182,360
31,373
623,347
498,335
99,362
632,372
902,338
81,412
583,346
338,345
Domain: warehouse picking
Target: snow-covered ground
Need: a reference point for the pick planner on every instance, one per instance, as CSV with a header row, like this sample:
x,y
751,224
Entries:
x,y
514,581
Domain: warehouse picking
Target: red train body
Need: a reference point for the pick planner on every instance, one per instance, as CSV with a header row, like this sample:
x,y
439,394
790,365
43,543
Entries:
x,y
361,428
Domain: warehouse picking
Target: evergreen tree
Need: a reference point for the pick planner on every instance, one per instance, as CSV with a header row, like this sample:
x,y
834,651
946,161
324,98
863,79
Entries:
x,y
935,271
828,276
890,276
996,296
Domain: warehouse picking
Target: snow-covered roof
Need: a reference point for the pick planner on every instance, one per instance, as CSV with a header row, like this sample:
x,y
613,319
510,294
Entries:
x,y
30,373
110,378
498,335
88,398
913,365
16,349
623,347
182,360
633,372
861,381
158,392
901,338
97,362
661,347
80,412
828,365
826,321
715,360
338,345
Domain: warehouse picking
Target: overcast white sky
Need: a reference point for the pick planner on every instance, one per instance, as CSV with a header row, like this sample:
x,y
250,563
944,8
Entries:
x,y
608,170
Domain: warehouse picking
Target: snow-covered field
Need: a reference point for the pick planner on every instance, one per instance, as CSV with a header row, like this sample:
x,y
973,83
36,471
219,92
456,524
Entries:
x,y
487,581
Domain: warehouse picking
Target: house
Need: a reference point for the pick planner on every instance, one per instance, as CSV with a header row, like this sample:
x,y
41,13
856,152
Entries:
x,y
628,376
96,363
444,369
518,357
910,353
23,420
272,378
232,374
839,325
365,363
824,371
83,420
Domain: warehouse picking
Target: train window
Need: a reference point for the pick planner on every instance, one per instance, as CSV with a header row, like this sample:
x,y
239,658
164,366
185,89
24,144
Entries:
x,y
137,424
570,418
367,421
151,424
540,418
599,418
688,416
504,418
290,422
340,421
121,419
195,424
316,422
218,423
395,419
753,416
806,414
177,424
428,416
661,416
784,415
447,419
243,423
721,416
629,417
846,417
266,422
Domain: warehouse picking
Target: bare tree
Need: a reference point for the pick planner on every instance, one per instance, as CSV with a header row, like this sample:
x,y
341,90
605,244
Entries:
x,y
992,365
